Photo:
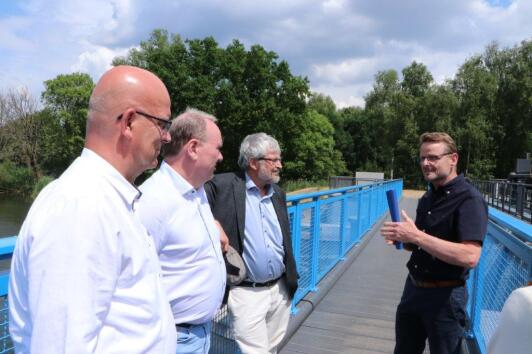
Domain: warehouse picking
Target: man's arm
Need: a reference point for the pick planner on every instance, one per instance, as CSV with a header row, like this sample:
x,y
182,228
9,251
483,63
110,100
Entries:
x,y
465,254
224,240
73,268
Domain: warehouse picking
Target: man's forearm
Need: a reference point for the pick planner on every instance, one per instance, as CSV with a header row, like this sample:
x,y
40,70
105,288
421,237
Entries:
x,y
464,254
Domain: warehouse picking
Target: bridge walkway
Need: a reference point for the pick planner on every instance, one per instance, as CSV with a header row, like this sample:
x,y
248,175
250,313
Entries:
x,y
357,315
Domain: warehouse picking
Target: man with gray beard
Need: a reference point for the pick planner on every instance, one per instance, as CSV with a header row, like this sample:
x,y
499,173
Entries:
x,y
251,208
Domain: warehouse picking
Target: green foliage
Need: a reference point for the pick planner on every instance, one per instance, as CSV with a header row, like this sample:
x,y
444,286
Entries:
x,y
66,102
247,90
15,179
41,183
311,153
486,107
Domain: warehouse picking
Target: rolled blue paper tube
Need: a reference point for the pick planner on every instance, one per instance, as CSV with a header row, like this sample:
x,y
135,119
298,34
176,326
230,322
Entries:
x,y
394,211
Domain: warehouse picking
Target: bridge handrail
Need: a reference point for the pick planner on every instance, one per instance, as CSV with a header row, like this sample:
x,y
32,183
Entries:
x,y
325,226
505,265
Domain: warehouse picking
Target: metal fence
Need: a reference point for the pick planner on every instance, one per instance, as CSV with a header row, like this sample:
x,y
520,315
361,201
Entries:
x,y
512,198
505,264
325,225
346,181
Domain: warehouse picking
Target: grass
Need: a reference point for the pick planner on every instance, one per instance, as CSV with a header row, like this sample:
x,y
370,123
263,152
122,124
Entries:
x,y
293,186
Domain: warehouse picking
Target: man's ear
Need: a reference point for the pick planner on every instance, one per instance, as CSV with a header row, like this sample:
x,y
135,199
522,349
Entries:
x,y
254,164
126,121
192,148
454,159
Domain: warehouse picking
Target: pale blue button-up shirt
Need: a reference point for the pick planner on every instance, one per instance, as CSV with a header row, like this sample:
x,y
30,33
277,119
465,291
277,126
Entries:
x,y
263,242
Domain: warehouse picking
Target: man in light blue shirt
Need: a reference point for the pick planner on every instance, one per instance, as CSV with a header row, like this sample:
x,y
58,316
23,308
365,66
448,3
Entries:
x,y
251,208
175,210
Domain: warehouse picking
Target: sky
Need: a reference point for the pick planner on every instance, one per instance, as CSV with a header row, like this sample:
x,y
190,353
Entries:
x,y
339,45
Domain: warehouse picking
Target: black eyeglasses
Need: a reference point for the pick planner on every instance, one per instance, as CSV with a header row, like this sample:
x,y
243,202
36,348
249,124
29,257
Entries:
x,y
432,158
164,124
270,160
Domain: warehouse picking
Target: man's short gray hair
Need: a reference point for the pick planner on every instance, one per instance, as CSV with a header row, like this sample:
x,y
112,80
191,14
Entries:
x,y
190,124
255,146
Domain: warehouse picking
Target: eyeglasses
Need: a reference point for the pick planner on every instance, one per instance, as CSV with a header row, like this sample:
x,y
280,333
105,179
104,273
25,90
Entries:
x,y
164,124
432,158
274,161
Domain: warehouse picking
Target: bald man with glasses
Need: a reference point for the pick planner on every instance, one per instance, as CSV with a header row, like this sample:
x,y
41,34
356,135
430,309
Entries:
x,y
85,277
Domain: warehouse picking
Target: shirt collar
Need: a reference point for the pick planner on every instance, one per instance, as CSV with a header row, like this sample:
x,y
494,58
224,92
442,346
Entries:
x,y
450,186
250,185
181,184
129,193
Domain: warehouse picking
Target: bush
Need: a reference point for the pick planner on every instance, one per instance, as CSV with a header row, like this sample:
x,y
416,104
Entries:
x,y
15,179
41,183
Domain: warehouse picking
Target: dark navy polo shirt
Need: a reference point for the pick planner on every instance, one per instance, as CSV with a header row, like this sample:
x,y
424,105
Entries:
x,y
455,212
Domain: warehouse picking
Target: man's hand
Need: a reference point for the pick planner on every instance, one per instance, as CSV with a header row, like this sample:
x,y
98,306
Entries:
x,y
224,240
404,231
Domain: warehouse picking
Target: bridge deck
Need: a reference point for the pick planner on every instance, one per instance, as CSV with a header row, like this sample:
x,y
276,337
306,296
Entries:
x,y
358,313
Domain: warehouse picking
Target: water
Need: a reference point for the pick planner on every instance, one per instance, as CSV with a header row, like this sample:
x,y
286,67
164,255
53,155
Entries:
x,y
12,213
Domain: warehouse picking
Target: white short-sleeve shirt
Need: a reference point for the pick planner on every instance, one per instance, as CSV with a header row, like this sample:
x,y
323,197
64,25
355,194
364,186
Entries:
x,y
85,276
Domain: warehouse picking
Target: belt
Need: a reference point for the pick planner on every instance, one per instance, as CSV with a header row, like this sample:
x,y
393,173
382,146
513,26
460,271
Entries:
x,y
436,283
250,284
185,325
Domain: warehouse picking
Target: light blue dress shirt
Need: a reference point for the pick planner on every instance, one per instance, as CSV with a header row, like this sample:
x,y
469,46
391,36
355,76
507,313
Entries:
x,y
263,242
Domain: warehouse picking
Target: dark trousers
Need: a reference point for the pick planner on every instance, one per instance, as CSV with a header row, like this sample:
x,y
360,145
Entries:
x,y
436,313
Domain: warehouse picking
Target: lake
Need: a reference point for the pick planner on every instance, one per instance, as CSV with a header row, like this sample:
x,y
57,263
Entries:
x,y
12,213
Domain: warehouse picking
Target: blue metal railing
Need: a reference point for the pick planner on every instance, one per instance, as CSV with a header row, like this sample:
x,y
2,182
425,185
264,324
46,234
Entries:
x,y
505,265
325,225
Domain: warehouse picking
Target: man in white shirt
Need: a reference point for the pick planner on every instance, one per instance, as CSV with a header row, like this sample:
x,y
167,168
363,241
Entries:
x,y
514,331
175,210
85,276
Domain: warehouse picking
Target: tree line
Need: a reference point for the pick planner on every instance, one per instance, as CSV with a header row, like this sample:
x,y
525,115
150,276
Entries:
x,y
486,107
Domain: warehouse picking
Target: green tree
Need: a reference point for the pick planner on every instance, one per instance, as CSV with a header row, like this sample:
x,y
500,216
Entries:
x,y
66,102
476,89
20,130
512,70
342,138
312,153
247,90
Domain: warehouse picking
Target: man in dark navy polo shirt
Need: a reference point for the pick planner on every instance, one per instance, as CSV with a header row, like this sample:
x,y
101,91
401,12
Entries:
x,y
446,241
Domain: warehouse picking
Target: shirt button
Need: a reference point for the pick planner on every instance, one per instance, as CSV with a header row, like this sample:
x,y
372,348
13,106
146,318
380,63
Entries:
x,y
428,212
415,266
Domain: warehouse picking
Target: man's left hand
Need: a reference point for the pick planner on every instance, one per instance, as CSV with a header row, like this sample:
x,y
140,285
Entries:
x,y
404,231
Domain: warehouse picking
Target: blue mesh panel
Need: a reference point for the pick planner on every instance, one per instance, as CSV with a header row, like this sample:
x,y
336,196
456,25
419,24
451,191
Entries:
x,y
330,237
500,272
6,346
304,266
364,212
351,232
222,340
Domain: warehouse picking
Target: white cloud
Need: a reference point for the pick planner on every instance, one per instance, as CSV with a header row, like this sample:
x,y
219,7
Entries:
x,y
346,71
98,60
338,44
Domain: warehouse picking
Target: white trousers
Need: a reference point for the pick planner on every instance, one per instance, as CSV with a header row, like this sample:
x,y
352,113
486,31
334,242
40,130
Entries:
x,y
260,317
